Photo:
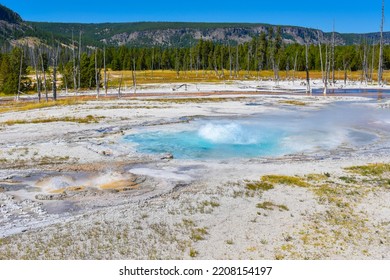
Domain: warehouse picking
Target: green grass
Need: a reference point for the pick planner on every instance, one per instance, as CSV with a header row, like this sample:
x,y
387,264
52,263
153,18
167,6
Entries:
x,y
285,180
198,234
348,179
87,119
293,102
373,169
259,185
193,253
26,106
316,177
268,205
188,223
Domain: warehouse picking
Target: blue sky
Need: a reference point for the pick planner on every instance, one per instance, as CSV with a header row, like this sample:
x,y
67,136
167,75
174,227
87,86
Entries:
x,y
350,16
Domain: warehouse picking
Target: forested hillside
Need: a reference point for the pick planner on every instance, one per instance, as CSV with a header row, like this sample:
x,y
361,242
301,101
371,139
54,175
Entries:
x,y
75,55
163,34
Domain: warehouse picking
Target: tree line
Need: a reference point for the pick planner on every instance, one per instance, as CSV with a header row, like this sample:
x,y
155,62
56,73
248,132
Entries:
x,y
82,67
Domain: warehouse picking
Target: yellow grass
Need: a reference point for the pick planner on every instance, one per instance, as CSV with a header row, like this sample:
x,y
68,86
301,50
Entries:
x,y
169,76
293,102
87,119
16,106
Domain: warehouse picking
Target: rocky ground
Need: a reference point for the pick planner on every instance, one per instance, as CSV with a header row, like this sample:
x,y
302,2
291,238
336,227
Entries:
x,y
71,188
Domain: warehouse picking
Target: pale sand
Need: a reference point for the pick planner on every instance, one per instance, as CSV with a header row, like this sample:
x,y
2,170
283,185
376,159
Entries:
x,y
175,208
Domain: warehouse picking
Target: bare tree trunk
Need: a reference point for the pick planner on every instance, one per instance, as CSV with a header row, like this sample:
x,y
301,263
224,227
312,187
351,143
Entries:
x,y
295,66
287,69
66,85
97,80
190,57
237,64
133,74
74,65
215,64
275,68
327,63
249,59
308,89
44,77
320,49
36,74
380,66
197,65
54,82
79,62
177,66
372,63
20,75
105,72
333,55
120,86
257,60
55,61
345,66
222,72
365,63
230,62
152,66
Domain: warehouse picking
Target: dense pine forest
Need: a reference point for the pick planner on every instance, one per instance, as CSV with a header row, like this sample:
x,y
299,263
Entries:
x,y
77,67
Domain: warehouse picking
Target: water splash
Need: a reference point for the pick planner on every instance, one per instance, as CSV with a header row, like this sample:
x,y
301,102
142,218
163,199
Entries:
x,y
212,140
230,133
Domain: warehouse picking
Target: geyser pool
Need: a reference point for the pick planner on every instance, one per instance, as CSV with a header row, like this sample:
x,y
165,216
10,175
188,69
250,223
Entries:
x,y
218,139
265,135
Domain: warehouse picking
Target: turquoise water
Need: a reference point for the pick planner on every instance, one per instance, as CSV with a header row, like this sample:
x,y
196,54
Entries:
x,y
213,140
341,125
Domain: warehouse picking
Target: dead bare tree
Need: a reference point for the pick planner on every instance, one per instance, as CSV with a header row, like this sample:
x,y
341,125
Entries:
x,y
287,68
134,76
222,72
237,68
55,63
372,63
191,54
365,63
105,71
308,89
345,66
79,63
333,54
320,50
120,86
97,74
249,59
44,76
197,64
34,58
20,75
74,65
177,64
215,63
230,62
152,62
295,66
327,69
380,66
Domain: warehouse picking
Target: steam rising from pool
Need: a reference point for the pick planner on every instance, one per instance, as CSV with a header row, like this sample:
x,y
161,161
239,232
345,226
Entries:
x,y
231,133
